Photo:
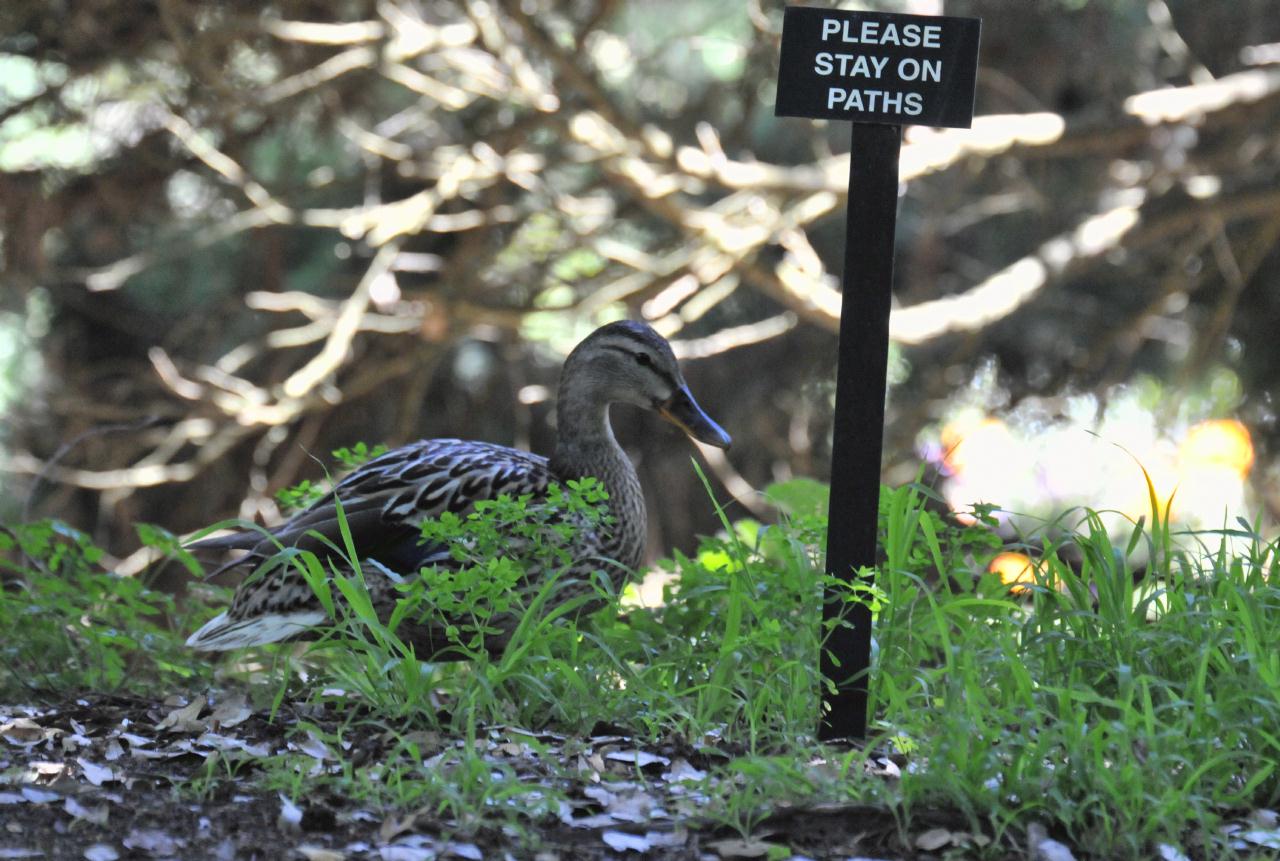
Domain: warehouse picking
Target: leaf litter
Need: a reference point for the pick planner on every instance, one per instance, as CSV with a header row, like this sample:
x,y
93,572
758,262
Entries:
x,y
117,777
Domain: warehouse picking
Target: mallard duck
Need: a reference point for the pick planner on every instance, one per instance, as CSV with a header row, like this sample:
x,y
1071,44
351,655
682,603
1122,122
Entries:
x,y
386,500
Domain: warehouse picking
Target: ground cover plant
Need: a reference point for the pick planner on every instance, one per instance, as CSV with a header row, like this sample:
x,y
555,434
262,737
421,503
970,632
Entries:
x,y
1122,701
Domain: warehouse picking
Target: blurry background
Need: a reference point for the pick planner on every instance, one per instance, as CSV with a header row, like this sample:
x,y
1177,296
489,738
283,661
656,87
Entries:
x,y
238,235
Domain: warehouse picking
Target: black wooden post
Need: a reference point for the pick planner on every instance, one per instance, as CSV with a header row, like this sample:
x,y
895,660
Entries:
x,y
880,72
861,369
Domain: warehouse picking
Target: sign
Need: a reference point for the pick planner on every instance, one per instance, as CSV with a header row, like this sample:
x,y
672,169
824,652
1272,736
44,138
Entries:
x,y
881,72
874,67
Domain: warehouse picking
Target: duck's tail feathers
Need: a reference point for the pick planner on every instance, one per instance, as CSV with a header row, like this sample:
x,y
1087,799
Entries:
x,y
221,633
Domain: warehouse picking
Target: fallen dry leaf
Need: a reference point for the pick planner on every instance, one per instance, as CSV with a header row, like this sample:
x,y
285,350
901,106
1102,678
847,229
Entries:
x,y
682,771
290,813
1043,847
739,848
225,743
313,747
153,841
185,719
101,852
319,853
621,841
1171,853
97,815
400,852
933,839
229,712
393,826
46,772
23,731
39,796
1268,838
638,758
94,773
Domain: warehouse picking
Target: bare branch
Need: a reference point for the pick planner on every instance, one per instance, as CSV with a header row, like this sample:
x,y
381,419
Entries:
x,y
344,327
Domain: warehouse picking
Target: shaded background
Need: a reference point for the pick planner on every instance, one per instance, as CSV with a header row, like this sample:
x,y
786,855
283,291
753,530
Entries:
x,y
237,236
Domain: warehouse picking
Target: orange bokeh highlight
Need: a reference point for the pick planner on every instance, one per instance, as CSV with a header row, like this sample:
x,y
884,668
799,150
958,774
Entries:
x,y
1218,444
970,445
1016,570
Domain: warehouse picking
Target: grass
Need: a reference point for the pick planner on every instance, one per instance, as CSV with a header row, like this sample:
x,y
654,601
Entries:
x,y
1129,697
70,627
1124,707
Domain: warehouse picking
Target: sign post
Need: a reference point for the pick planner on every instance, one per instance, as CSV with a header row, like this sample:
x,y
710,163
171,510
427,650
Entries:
x,y
878,71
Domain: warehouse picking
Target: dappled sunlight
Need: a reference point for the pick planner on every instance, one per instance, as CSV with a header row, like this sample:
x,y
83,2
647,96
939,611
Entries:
x,y
648,591
986,463
1198,474
1214,462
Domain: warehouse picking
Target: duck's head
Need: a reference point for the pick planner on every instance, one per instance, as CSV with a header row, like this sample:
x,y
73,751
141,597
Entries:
x,y
628,362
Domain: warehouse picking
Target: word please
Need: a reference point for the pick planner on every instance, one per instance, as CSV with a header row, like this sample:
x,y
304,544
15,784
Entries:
x,y
876,33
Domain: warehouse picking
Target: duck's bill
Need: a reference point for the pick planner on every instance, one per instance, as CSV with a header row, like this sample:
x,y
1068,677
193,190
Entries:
x,y
683,412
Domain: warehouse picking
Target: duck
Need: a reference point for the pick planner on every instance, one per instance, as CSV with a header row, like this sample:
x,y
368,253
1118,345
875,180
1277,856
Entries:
x,y
385,501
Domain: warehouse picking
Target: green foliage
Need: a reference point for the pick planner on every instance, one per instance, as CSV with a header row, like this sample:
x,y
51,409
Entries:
x,y
305,493
734,645
1128,697
298,496
487,581
465,602
358,454
1126,703
70,626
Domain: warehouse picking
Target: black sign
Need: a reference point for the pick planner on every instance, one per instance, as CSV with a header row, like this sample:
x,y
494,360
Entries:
x,y
874,67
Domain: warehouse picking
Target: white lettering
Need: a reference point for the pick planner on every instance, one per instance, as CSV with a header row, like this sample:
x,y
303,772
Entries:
x,y
861,68
871,33
849,65
911,69
879,101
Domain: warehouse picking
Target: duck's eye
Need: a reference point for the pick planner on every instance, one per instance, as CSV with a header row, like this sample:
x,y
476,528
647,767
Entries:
x,y
644,360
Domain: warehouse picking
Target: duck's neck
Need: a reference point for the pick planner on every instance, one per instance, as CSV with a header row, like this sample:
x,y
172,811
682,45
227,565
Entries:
x,y
586,447
585,444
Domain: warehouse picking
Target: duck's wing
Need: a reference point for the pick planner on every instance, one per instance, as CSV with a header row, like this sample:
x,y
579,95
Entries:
x,y
386,500
384,503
